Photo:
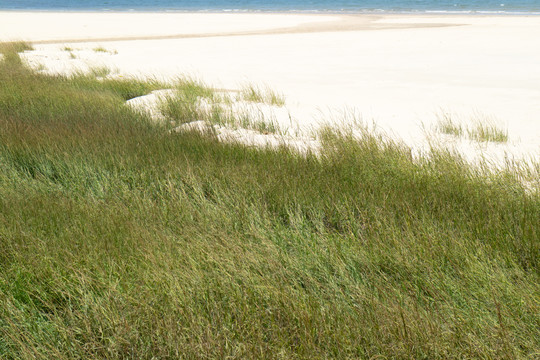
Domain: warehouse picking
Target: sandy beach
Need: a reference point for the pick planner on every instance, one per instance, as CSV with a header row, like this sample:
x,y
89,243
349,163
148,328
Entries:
x,y
399,72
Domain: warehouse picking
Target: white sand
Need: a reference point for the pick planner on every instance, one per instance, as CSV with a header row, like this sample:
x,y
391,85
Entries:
x,y
398,71
54,26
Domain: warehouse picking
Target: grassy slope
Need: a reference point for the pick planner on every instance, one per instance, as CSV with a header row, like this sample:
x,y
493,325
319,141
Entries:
x,y
118,240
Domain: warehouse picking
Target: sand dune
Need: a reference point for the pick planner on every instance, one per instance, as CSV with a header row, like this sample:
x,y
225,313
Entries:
x,y
400,72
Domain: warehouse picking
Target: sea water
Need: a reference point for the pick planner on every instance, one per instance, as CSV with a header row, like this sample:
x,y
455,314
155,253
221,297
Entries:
x,y
345,6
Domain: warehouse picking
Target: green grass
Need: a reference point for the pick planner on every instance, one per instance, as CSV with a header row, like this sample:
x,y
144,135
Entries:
x,y
446,125
70,50
100,72
99,49
13,48
261,95
263,126
184,107
125,88
10,50
482,130
119,240
487,131
223,115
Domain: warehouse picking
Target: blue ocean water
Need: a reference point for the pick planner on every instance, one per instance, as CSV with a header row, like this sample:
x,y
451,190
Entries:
x,y
450,6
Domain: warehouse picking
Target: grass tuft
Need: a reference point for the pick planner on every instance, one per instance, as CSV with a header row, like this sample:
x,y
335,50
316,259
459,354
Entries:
x,y
481,130
195,101
101,49
487,131
183,106
446,125
262,95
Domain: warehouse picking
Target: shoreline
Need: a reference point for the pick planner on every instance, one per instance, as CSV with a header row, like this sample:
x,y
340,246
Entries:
x,y
287,23
284,12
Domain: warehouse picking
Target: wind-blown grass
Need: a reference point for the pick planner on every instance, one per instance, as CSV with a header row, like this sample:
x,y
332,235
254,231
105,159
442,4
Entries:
x,y
482,130
99,49
447,125
195,101
486,131
182,107
125,88
119,240
262,95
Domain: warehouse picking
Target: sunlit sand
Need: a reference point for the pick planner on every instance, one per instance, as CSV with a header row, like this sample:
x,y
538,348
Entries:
x,y
400,74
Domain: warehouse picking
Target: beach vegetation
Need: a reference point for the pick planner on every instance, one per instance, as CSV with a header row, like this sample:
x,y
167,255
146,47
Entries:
x,y
487,131
261,95
119,239
100,71
194,101
263,126
124,87
13,48
183,106
481,130
446,125
40,67
10,51
101,49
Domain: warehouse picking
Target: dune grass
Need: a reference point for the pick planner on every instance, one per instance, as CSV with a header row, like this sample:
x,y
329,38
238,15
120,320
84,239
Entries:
x,y
119,240
182,107
487,131
446,125
193,101
261,95
482,129
96,80
101,49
